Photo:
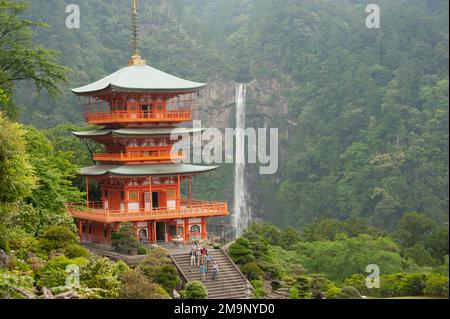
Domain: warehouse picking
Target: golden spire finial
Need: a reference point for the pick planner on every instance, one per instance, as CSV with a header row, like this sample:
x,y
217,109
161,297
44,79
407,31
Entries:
x,y
136,58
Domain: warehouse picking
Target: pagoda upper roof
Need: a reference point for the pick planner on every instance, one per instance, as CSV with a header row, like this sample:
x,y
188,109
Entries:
x,y
145,170
140,79
156,131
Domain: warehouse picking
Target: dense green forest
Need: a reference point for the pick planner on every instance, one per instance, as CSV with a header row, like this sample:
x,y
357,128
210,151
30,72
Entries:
x,y
365,172
370,105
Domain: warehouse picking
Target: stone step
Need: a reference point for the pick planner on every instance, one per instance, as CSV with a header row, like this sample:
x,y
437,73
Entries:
x,y
222,276
229,284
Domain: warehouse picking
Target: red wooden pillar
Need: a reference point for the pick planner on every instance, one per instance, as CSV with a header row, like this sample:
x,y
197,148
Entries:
x,y
149,231
186,230
80,230
150,180
204,228
154,232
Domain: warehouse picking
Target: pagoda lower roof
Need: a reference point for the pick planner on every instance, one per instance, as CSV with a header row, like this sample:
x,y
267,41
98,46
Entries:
x,y
138,132
140,78
145,170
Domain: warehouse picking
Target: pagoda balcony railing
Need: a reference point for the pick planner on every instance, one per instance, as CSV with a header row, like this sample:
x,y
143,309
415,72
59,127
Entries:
x,y
142,156
138,117
188,209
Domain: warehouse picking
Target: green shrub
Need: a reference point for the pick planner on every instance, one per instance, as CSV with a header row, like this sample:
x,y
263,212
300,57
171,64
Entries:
x,y
20,265
22,243
294,293
142,250
57,238
348,292
358,281
259,293
240,252
252,271
124,240
158,268
75,251
54,274
195,290
137,286
332,292
303,284
167,277
256,283
436,286
120,267
100,272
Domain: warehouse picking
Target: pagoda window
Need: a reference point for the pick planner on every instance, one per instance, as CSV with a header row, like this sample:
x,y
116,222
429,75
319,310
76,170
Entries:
x,y
180,230
133,196
195,229
170,193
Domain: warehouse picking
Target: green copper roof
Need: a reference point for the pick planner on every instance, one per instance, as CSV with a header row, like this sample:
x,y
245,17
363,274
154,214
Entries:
x,y
139,132
140,78
145,170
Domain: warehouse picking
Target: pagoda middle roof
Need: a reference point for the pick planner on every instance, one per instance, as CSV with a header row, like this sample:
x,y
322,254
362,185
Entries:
x,y
138,132
140,78
145,170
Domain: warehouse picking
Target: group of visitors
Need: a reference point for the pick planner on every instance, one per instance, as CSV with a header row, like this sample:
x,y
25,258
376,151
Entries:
x,y
201,259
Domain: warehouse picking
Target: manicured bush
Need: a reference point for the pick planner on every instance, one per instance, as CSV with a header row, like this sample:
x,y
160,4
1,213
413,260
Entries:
x,y
332,293
303,284
158,268
167,277
57,238
252,271
135,285
142,250
195,290
348,292
75,251
123,241
240,252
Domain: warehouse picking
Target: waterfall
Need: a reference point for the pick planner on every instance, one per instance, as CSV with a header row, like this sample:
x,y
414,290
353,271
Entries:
x,y
241,213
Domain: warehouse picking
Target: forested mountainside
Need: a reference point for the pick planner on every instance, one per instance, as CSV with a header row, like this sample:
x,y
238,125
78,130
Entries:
x,y
369,106
363,116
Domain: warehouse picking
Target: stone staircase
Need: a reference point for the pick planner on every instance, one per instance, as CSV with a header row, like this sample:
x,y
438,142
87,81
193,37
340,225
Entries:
x,y
230,284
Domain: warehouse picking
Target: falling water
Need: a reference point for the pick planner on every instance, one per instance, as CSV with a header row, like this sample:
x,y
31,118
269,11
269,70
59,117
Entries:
x,y
241,214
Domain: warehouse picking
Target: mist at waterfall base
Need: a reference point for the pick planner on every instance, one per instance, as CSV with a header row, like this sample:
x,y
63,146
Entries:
x,y
240,218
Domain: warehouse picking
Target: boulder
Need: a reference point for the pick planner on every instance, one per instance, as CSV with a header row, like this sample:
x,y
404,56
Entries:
x,y
4,259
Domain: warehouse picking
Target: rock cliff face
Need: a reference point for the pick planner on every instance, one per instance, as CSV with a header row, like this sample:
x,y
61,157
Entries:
x,y
266,107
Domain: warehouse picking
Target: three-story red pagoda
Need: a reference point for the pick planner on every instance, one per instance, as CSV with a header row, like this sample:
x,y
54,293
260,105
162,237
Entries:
x,y
139,107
